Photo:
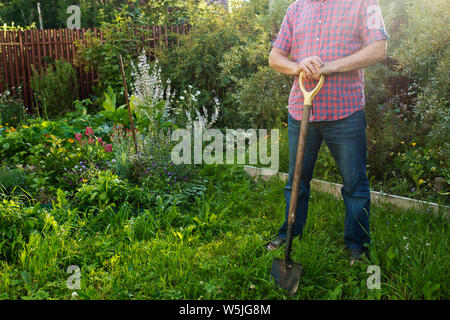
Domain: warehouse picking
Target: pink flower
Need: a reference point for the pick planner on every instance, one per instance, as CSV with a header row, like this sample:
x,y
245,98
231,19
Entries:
x,y
89,131
91,140
100,140
108,148
78,137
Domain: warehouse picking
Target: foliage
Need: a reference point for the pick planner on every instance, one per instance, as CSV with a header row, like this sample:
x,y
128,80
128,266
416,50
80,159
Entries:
x,y
16,225
235,54
204,246
407,98
56,88
12,110
25,13
102,191
12,179
151,98
119,39
152,167
266,110
426,59
213,34
95,12
112,112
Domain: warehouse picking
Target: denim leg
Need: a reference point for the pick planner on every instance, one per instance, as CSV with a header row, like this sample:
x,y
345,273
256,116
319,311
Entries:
x,y
313,142
346,140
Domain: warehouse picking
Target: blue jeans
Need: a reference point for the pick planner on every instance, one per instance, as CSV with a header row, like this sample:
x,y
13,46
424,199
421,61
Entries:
x,y
346,139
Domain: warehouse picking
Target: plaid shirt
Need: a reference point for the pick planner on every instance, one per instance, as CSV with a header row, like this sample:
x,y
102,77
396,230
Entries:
x,y
330,29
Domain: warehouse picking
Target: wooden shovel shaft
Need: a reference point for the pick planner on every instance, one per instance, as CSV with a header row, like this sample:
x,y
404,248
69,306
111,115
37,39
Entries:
x,y
297,179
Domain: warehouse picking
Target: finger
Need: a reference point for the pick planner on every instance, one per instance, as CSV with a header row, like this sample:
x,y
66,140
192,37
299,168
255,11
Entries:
x,y
317,63
320,61
308,68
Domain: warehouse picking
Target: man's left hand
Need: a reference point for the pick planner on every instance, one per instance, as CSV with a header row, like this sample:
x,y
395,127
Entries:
x,y
326,69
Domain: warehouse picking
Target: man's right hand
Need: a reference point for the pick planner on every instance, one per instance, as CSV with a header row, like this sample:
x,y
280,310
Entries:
x,y
310,66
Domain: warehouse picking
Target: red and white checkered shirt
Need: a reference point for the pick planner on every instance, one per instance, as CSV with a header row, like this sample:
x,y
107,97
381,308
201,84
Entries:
x,y
330,29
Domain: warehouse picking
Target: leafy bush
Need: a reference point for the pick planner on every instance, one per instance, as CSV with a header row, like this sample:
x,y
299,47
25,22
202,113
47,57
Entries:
x,y
12,110
56,89
425,57
212,35
16,225
12,179
262,98
102,191
407,99
119,39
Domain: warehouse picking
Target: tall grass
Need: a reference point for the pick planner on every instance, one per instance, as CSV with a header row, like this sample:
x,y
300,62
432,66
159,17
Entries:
x,y
214,249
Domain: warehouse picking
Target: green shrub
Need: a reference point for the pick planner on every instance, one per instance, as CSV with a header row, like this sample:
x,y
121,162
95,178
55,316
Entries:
x,y
103,56
12,179
56,89
213,36
103,191
12,110
262,98
425,57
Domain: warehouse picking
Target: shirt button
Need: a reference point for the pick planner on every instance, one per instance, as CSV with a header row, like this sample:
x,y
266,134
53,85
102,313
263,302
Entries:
x,y
320,21
317,39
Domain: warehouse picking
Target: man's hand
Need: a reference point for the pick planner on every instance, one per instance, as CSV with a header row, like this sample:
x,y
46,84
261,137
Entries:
x,y
311,67
326,69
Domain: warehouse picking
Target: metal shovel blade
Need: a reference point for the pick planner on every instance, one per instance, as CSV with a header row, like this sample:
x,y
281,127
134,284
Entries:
x,y
286,275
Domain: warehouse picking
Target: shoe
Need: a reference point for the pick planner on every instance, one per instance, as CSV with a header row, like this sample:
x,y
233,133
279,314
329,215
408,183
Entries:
x,y
355,256
275,243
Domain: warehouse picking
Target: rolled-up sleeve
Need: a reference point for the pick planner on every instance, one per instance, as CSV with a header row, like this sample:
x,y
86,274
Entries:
x,y
372,26
283,40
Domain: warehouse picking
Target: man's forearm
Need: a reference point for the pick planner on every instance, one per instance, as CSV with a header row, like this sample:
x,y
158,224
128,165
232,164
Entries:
x,y
365,57
283,64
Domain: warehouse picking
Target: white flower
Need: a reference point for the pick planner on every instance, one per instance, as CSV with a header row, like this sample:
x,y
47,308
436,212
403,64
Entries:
x,y
182,98
148,88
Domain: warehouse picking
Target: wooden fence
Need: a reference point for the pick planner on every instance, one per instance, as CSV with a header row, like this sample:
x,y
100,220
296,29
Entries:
x,y
19,50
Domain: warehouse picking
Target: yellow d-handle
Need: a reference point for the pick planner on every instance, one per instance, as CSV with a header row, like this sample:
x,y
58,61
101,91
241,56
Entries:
x,y
309,96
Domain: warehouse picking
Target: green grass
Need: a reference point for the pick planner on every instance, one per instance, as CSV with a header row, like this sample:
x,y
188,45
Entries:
x,y
214,249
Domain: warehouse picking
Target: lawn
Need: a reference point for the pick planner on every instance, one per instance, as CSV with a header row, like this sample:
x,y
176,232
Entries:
x,y
213,248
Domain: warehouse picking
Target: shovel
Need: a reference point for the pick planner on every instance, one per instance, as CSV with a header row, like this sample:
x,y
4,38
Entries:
x,y
287,272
